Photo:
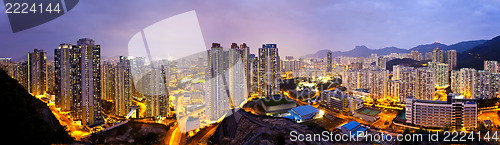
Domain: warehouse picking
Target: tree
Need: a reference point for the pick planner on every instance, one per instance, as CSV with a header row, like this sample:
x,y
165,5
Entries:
x,y
375,102
448,90
393,103
480,126
405,132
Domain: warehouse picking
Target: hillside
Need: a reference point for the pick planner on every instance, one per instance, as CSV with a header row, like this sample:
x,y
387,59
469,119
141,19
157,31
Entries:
x,y
428,47
363,51
475,57
358,51
27,119
465,45
404,62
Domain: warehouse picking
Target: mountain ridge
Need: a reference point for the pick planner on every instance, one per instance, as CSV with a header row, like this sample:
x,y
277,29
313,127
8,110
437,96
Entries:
x,y
475,57
363,51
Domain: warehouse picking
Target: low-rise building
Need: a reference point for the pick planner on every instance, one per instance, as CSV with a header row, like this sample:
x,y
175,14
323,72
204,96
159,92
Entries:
x,y
277,105
338,101
304,113
352,128
455,112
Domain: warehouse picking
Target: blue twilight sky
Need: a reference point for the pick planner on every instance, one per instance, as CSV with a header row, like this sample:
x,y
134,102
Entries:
x,y
298,27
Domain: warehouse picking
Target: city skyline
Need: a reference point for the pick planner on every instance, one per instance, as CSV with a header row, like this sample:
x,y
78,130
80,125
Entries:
x,y
217,79
339,25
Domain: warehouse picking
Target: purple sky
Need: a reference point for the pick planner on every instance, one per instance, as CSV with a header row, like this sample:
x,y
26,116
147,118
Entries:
x,y
298,27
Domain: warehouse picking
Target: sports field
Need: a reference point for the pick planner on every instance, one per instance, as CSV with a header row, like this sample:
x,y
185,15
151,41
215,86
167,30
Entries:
x,y
369,112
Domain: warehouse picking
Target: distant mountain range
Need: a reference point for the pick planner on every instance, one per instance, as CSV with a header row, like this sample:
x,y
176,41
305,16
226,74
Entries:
x,y
358,51
363,51
475,57
460,47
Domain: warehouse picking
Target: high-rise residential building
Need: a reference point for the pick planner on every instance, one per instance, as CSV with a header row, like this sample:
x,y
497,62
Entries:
x,y
462,81
356,79
424,87
237,69
356,65
378,83
149,76
20,71
319,64
164,100
392,89
455,81
245,52
226,80
451,59
50,78
108,81
456,112
415,55
373,79
428,56
37,72
441,73
491,66
290,64
329,62
154,87
217,101
350,79
382,61
87,82
484,85
63,57
495,85
123,88
466,79
269,70
437,55
406,77
254,73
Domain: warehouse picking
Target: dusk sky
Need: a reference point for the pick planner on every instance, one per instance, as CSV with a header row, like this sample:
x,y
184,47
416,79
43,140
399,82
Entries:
x,y
298,27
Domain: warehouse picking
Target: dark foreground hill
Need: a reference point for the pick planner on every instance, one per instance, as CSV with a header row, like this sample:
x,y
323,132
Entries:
x,y
27,120
405,62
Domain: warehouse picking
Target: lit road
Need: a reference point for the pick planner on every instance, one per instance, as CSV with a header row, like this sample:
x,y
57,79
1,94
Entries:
x,y
493,116
174,135
204,134
73,129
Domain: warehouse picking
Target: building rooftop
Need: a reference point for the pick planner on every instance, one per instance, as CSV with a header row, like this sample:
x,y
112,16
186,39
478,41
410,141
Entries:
x,y
305,110
276,101
351,125
432,101
487,122
363,90
360,129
